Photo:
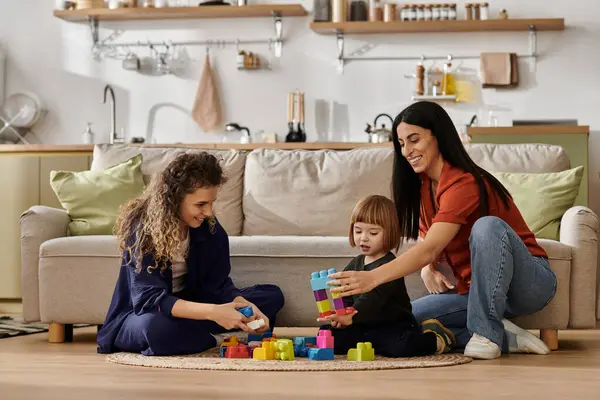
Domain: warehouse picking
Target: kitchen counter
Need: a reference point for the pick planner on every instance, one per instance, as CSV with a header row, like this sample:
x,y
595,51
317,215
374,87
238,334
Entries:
x,y
83,148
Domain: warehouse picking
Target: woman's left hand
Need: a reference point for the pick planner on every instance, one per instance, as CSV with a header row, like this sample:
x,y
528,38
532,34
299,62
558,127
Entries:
x,y
353,282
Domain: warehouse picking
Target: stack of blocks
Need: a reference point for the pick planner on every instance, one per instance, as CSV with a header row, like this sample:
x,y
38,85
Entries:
x,y
324,349
319,286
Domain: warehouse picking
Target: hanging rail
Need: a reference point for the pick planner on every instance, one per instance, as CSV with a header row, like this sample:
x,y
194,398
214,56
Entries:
x,y
277,41
343,59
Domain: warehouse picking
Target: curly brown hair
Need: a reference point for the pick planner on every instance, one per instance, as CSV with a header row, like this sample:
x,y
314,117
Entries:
x,y
150,224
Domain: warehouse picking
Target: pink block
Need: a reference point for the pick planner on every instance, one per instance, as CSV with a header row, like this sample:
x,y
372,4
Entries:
x,y
325,340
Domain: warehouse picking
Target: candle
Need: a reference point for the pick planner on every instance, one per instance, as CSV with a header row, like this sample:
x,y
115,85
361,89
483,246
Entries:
x,y
301,107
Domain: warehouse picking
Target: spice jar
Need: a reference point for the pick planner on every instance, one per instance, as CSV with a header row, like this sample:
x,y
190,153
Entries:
x,y
452,12
420,13
468,11
484,11
435,12
444,12
476,12
404,13
389,12
412,12
427,12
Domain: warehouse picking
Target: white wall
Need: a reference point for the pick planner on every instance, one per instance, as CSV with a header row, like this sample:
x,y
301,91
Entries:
x,y
51,58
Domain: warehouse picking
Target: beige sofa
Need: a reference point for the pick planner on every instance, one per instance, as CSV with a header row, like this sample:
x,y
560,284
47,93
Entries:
x,y
287,213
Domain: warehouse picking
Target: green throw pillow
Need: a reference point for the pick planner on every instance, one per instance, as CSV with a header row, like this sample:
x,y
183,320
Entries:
x,y
543,198
93,198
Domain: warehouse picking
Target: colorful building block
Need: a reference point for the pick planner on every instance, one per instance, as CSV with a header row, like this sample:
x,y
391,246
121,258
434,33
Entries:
x,y
222,351
364,352
323,306
325,339
230,341
345,311
247,311
338,303
317,354
319,279
256,324
240,351
265,352
303,341
258,338
320,294
335,295
284,350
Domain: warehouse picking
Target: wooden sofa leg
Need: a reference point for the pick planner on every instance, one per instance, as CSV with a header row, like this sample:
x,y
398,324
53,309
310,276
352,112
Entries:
x,y
56,333
550,337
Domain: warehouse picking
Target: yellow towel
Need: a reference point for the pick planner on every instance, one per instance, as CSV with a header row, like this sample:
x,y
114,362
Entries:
x,y
207,106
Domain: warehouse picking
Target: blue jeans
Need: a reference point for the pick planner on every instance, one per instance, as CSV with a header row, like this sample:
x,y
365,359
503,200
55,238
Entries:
x,y
506,281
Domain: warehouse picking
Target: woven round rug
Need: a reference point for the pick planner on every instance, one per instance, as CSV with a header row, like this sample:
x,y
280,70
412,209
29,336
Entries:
x,y
210,360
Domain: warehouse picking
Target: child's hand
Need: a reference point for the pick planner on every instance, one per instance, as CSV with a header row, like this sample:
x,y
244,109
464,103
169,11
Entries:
x,y
229,317
257,314
339,321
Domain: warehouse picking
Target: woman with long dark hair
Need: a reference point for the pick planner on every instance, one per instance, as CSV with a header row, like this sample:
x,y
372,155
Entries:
x,y
467,219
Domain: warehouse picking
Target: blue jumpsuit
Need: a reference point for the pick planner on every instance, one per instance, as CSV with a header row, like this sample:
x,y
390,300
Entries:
x,y
139,317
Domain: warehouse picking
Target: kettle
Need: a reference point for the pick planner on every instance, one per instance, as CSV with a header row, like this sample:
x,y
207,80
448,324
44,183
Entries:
x,y
382,134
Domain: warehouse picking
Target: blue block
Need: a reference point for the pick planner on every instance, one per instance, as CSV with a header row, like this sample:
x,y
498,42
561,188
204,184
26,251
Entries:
x,y
317,354
222,351
301,351
259,338
247,311
319,279
302,341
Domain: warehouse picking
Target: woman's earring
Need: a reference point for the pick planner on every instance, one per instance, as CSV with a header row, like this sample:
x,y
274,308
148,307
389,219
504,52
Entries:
x,y
212,223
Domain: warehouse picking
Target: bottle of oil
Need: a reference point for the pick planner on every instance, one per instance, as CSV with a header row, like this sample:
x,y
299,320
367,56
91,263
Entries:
x,y
448,87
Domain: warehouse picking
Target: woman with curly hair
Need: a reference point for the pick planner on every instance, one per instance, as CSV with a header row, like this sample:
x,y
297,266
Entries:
x,y
174,294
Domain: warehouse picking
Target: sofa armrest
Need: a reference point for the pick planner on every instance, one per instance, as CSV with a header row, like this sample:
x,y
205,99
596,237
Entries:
x,y
579,229
38,224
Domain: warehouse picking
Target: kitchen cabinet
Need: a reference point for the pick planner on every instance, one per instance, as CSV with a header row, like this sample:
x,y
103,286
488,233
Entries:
x,y
25,182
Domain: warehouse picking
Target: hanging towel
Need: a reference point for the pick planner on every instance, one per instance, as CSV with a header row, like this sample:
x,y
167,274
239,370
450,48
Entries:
x,y
207,106
499,70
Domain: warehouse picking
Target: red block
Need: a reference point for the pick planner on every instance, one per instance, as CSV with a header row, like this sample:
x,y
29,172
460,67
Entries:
x,y
326,314
240,351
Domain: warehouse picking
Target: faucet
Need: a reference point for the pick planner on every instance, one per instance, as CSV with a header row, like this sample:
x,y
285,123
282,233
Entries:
x,y
113,131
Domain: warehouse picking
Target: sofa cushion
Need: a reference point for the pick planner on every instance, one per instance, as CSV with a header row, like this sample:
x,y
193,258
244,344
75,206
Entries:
x,y
228,206
93,198
519,157
543,198
301,192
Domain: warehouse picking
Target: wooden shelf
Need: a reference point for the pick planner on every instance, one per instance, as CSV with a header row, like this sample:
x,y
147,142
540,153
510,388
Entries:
x,y
365,27
529,129
130,14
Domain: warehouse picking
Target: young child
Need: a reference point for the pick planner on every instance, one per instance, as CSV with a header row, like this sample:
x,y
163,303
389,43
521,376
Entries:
x,y
383,316
174,294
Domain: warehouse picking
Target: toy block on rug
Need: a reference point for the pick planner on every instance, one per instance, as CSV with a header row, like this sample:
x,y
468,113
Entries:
x,y
362,352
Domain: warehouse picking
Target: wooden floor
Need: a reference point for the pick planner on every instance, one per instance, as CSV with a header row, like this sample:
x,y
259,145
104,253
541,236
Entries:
x,y
30,368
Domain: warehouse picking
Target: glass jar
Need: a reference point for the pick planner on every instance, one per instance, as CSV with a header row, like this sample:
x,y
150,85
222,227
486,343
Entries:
x,y
452,12
420,13
468,12
484,11
412,12
476,12
435,12
404,13
444,12
427,12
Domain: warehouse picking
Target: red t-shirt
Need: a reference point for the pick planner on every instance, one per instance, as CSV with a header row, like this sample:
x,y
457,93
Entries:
x,y
457,201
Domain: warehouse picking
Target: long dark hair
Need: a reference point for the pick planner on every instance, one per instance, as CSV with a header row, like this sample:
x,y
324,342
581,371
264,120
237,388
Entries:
x,y
406,184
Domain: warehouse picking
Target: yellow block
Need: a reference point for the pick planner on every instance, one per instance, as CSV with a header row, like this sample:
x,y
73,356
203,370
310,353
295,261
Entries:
x,y
336,295
323,306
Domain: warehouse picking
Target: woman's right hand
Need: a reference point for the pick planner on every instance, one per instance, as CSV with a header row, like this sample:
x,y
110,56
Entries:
x,y
228,316
435,281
